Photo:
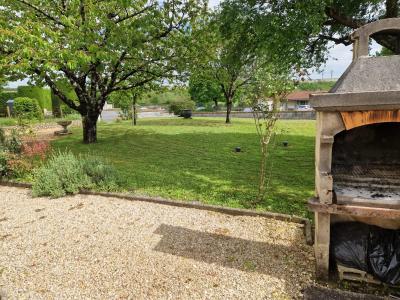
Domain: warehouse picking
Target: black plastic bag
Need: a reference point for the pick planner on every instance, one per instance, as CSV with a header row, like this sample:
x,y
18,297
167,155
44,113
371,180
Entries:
x,y
368,248
349,245
384,254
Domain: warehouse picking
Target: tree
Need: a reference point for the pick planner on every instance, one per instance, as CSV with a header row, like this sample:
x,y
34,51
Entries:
x,y
127,101
321,22
99,47
265,95
343,17
204,90
228,60
242,37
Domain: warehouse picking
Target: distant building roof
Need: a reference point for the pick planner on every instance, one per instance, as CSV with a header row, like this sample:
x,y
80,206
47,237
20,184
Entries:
x,y
302,95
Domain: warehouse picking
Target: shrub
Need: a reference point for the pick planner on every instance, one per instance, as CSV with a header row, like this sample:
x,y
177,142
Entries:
x,y
62,174
177,106
103,176
3,136
11,143
65,173
47,183
27,108
35,149
18,166
34,92
4,169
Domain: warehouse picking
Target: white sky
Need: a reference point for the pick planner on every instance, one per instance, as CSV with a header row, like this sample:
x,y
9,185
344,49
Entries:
x,y
340,58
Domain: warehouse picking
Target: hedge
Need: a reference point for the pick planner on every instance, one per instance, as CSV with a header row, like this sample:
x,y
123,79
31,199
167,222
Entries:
x,y
177,106
27,108
34,92
4,97
57,104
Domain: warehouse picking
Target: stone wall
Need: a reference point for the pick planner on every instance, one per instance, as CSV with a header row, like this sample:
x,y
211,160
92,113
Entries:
x,y
285,115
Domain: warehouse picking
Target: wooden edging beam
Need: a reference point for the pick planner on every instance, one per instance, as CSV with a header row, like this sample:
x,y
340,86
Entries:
x,y
195,205
354,210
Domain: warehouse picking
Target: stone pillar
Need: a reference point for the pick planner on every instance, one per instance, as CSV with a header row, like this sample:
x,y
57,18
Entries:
x,y
328,124
321,246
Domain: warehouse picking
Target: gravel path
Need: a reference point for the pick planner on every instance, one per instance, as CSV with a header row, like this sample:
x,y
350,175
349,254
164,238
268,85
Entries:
x,y
85,247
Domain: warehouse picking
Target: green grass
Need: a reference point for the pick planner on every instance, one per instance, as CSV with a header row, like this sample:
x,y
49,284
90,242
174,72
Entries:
x,y
8,121
194,160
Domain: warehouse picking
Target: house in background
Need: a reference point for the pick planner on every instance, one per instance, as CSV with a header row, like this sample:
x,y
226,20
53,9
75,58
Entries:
x,y
298,100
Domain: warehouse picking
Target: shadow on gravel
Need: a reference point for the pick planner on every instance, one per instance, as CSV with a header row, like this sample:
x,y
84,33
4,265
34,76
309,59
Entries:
x,y
245,255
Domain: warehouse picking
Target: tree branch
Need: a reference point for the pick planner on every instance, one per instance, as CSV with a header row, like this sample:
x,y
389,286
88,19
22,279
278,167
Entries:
x,y
56,91
135,14
82,11
392,8
38,10
342,19
137,84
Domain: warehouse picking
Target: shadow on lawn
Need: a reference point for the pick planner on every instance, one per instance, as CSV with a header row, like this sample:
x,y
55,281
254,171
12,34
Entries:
x,y
275,260
203,165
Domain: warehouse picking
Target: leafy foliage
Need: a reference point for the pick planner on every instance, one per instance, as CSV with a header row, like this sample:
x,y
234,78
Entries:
x,y
244,38
176,107
103,176
4,169
27,108
12,142
316,85
99,47
165,96
343,17
34,92
64,173
59,108
204,90
19,158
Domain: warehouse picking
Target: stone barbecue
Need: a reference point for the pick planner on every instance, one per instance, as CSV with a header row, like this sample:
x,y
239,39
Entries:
x,y
358,144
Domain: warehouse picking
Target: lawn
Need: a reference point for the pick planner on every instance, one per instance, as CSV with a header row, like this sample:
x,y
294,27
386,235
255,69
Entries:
x,y
195,160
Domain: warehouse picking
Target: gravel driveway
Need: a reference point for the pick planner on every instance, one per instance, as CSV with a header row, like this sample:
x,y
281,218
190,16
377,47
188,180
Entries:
x,y
83,247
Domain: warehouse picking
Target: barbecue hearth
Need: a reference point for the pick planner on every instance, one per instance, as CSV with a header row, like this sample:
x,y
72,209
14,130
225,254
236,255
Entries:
x,y
358,144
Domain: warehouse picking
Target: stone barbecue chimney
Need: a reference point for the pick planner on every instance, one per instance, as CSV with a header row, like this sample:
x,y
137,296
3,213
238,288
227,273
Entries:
x,y
358,144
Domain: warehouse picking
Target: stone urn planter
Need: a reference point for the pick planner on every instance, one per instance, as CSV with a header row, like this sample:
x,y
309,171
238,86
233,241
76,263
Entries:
x,y
64,124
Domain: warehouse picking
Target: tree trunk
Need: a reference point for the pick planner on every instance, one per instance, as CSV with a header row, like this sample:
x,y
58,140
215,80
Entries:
x,y
89,123
134,112
216,105
228,111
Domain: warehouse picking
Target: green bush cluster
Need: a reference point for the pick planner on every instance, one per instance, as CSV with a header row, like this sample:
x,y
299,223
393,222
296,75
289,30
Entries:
x,y
27,108
12,142
34,92
177,106
4,169
64,173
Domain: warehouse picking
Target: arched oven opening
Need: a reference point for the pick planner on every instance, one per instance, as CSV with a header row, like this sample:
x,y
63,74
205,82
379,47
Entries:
x,y
366,165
